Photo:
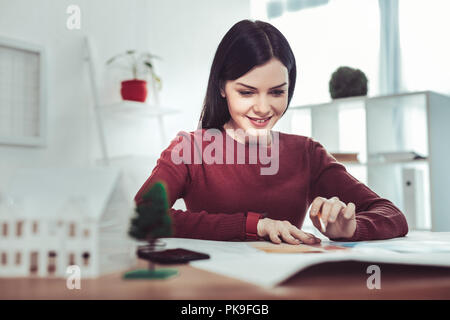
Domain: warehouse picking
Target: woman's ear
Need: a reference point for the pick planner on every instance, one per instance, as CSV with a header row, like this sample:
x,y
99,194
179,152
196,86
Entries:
x,y
222,89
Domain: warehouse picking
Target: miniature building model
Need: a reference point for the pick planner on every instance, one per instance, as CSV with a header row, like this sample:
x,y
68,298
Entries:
x,y
53,218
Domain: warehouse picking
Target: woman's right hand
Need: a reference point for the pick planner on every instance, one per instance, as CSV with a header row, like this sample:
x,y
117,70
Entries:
x,y
279,231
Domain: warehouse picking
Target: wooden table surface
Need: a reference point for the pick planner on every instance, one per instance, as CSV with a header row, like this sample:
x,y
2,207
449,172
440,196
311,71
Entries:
x,y
337,280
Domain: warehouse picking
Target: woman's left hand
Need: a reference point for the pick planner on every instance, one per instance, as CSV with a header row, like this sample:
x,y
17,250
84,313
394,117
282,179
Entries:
x,y
338,218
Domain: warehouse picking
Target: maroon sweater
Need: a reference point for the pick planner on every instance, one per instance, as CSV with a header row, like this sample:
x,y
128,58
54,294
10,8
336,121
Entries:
x,y
218,197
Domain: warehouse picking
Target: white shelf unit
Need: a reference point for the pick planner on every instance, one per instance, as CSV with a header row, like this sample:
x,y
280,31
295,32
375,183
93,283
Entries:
x,y
123,109
135,109
414,121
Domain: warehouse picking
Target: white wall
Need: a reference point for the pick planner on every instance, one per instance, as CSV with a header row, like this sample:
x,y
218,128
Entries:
x,y
184,33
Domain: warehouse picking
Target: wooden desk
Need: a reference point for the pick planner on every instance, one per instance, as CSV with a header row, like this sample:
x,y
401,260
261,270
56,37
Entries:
x,y
338,280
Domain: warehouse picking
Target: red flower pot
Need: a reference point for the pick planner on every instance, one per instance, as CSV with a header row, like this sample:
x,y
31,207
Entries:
x,y
135,90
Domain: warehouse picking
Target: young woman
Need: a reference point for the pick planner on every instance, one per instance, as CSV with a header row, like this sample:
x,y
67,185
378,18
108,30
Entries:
x,y
251,83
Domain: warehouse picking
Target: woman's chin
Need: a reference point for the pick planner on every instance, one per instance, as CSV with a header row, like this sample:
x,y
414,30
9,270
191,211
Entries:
x,y
258,131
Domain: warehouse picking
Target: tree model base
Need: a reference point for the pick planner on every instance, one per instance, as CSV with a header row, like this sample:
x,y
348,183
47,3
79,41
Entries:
x,y
150,274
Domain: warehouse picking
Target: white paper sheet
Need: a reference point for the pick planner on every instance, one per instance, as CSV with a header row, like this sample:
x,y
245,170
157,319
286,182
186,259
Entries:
x,y
242,261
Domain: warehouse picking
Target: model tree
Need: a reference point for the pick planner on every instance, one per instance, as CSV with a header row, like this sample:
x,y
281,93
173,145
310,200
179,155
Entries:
x,y
150,222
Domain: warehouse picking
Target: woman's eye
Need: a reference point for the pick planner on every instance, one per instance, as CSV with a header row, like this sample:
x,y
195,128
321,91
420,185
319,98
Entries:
x,y
277,92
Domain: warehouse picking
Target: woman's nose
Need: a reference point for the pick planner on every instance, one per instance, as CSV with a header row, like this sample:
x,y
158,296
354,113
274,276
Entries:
x,y
262,107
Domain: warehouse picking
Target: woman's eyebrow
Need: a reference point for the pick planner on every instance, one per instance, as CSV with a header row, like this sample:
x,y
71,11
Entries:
x,y
246,85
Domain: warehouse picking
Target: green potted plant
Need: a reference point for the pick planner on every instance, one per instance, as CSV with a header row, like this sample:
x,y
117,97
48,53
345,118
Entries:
x,y
138,62
347,82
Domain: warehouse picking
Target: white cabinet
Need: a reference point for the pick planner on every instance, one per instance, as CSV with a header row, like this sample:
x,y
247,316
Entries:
x,y
384,131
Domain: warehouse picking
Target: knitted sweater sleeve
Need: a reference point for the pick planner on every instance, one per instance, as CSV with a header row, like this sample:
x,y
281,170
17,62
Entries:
x,y
377,218
188,224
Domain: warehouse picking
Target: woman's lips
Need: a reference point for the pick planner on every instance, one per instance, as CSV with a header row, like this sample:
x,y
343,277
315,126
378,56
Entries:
x,y
259,124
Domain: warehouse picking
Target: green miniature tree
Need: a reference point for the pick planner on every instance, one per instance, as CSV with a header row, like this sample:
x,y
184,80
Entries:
x,y
150,222
151,219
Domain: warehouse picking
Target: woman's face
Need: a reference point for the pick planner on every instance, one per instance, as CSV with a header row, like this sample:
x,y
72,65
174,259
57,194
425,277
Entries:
x,y
260,94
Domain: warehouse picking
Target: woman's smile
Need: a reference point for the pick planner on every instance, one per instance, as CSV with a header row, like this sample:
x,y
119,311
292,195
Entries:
x,y
258,122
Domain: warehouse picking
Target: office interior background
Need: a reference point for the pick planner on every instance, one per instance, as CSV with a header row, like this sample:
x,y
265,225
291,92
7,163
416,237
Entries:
x,y
81,122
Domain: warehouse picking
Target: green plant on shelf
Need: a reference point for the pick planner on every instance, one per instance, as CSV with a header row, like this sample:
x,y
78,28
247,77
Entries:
x,y
137,62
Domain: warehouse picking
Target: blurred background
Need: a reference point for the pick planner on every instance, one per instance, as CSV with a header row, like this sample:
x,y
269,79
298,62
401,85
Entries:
x,y
65,124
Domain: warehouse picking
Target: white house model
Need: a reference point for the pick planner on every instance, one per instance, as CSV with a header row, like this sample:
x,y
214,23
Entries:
x,y
53,218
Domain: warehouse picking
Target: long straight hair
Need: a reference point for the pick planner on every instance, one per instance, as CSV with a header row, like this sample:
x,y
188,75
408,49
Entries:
x,y
246,45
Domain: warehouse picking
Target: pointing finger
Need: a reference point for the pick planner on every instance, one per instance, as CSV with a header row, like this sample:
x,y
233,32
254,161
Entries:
x,y
326,211
337,208
315,206
349,212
